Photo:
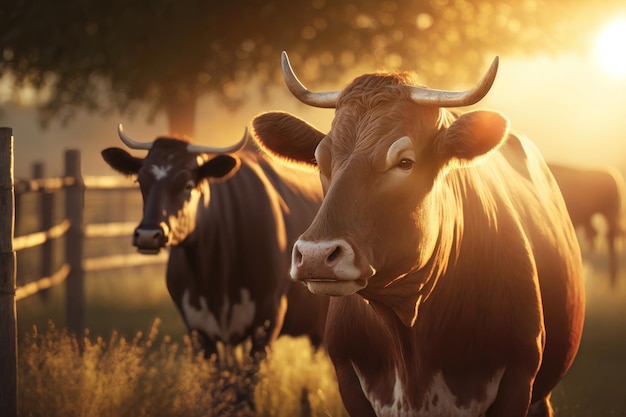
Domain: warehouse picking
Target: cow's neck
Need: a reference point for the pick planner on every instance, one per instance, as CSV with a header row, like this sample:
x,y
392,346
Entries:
x,y
407,291
210,240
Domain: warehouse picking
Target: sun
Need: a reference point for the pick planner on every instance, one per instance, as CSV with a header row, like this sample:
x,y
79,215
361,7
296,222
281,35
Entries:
x,y
610,47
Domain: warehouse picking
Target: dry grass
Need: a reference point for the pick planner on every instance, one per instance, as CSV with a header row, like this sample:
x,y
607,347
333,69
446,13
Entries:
x,y
122,372
159,375
147,377
294,370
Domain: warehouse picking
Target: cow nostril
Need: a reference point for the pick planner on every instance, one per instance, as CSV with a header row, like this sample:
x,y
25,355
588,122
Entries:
x,y
297,256
149,237
336,253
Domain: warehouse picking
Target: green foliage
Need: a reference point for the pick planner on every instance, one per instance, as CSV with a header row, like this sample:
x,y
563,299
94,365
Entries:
x,y
99,55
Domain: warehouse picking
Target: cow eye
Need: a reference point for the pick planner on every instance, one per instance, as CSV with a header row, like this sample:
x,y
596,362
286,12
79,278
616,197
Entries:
x,y
190,185
405,164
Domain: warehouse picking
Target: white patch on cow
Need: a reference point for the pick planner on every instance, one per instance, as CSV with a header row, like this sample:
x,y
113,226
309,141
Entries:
x,y
401,148
160,172
439,400
227,328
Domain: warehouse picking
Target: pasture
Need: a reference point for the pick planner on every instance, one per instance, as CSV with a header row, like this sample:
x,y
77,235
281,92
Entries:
x,y
137,360
132,367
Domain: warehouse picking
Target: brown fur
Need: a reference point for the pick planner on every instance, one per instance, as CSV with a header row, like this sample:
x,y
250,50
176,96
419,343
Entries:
x,y
476,264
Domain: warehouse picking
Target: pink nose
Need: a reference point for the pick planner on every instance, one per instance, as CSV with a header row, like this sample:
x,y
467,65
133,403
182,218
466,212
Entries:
x,y
333,259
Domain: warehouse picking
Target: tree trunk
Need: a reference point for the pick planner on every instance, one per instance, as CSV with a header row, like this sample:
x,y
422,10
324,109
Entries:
x,y
180,109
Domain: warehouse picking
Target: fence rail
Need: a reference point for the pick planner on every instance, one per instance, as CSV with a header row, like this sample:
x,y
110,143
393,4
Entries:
x,y
42,283
42,184
39,238
74,264
91,231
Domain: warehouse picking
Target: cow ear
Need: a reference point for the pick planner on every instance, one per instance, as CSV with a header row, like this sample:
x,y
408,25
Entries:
x,y
222,167
474,134
122,161
284,135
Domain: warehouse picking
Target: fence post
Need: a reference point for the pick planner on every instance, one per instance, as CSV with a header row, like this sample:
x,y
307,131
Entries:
x,y
46,207
74,286
8,314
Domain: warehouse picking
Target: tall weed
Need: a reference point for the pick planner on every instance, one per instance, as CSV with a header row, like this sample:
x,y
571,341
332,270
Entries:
x,y
142,377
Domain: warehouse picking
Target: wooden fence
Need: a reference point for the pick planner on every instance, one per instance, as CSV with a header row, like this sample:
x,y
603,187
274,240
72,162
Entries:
x,y
72,271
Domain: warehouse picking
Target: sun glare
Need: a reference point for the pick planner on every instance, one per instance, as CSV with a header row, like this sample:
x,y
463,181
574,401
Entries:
x,y
611,47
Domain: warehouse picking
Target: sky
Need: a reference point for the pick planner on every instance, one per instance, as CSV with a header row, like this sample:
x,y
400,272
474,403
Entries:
x,y
572,107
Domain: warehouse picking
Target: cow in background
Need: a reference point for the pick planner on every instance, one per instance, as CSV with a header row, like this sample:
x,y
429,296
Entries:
x,y
454,267
229,221
595,190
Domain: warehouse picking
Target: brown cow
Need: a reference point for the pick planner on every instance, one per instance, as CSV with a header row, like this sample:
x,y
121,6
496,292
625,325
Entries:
x,y
454,266
229,222
590,191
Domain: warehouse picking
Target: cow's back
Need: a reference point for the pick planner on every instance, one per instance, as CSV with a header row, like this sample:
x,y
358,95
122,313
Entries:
x,y
556,253
516,222
588,191
300,191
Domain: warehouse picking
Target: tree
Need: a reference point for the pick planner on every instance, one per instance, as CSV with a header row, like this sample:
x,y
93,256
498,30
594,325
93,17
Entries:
x,y
101,55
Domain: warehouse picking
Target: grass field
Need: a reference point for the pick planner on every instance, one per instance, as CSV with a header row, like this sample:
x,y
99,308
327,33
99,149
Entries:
x,y
596,383
138,361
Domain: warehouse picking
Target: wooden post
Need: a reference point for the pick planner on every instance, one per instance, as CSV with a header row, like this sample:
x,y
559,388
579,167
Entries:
x,y
8,314
74,240
46,207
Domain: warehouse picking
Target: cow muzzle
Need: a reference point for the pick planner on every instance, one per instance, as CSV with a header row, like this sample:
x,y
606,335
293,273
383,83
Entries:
x,y
149,240
328,267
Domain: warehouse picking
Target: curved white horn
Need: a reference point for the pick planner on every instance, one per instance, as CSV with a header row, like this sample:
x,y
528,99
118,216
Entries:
x,y
419,95
228,149
132,144
327,100
443,98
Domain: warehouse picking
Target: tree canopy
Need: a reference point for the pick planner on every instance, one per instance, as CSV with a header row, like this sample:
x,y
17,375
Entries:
x,y
115,54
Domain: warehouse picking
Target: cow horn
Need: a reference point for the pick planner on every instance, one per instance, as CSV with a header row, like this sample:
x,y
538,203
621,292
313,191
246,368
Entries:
x,y
132,144
419,95
228,149
327,100
442,98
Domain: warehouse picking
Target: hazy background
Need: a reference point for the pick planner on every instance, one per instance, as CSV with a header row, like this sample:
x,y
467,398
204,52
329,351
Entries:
x,y
572,107
558,82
